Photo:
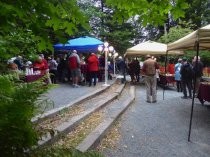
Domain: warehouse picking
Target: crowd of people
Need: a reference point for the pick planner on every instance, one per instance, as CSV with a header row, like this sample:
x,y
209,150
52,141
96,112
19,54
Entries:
x,y
77,69
184,72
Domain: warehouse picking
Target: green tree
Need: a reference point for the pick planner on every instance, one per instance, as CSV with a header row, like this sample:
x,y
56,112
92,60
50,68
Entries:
x,y
174,34
153,12
43,19
197,13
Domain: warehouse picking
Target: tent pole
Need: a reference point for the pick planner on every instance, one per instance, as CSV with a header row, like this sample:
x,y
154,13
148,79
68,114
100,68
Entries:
x,y
194,82
166,60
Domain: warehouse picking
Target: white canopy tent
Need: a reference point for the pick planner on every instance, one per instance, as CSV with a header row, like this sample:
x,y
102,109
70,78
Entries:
x,y
201,36
197,40
149,47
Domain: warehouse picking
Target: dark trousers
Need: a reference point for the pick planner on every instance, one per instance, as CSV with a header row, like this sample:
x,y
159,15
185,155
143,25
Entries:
x,y
179,86
93,75
137,75
187,84
53,75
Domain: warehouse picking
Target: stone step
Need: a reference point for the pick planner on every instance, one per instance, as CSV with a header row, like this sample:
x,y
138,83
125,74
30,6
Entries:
x,y
53,112
114,111
71,123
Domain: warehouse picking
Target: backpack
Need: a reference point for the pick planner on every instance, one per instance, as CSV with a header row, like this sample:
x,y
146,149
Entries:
x,y
73,62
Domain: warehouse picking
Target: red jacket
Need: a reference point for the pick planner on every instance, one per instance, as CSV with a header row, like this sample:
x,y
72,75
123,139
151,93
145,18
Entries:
x,y
170,69
93,63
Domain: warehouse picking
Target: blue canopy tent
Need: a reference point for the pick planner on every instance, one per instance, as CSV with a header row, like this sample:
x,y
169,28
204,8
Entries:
x,y
82,45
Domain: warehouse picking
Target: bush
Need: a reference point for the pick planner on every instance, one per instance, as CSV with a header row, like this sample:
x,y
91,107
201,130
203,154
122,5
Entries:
x,y
17,107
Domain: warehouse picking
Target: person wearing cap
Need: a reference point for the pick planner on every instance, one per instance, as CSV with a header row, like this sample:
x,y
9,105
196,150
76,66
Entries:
x,y
52,63
177,75
149,68
198,70
74,65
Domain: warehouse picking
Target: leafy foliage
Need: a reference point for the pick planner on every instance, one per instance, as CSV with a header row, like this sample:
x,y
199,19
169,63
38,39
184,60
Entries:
x,y
197,13
43,19
18,42
118,35
153,12
174,34
205,58
17,107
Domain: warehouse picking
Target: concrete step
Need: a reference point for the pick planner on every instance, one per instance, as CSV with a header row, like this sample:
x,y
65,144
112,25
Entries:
x,y
71,123
53,112
113,112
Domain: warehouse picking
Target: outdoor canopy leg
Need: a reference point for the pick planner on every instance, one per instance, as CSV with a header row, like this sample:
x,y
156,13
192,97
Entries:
x,y
166,60
191,114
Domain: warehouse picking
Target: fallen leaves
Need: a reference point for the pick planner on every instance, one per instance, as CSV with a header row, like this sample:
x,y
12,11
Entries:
x,y
81,131
111,139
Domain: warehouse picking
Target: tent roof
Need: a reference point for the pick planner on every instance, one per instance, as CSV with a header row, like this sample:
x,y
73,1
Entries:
x,y
149,47
201,35
81,44
84,41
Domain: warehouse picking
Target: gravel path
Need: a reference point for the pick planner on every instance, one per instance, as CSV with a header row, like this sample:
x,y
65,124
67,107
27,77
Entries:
x,y
161,129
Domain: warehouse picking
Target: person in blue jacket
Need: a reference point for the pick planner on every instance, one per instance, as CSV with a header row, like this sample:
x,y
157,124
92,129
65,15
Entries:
x,y
177,75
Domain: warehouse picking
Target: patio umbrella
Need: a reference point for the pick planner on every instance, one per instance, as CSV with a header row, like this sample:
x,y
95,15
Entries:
x,y
84,44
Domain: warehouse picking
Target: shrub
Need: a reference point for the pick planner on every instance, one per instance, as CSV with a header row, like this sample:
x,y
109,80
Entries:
x,y
17,107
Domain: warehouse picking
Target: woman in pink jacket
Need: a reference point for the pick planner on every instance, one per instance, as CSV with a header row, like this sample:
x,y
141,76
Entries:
x,y
93,65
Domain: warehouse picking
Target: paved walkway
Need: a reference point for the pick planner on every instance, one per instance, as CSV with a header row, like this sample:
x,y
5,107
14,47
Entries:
x,y
149,130
161,129
64,93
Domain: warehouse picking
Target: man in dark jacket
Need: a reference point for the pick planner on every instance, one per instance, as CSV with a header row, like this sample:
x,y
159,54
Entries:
x,y
186,78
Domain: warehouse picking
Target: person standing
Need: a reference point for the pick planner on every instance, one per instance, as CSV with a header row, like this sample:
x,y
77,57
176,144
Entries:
x,y
93,67
74,65
131,70
46,67
121,65
137,70
186,78
198,70
40,66
53,69
19,62
177,75
170,68
149,68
